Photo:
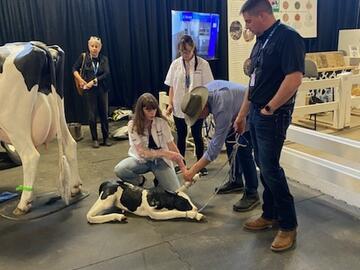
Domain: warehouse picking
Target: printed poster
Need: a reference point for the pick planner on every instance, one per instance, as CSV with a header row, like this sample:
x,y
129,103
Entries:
x,y
299,14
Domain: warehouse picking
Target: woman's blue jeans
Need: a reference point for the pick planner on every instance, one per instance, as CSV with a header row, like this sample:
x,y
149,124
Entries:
x,y
268,133
131,170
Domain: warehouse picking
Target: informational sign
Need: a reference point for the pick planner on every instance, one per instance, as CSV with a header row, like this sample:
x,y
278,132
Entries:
x,y
299,14
240,42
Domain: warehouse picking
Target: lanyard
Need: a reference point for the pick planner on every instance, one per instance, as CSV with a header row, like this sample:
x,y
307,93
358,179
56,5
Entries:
x,y
187,76
265,43
269,36
95,67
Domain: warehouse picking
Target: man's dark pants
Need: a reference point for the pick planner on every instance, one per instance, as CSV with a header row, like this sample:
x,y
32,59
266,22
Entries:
x,y
244,162
268,134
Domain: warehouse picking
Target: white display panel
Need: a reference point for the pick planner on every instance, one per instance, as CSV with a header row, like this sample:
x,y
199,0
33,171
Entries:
x,y
349,41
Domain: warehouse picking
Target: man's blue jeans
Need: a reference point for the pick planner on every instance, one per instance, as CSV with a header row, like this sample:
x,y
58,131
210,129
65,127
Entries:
x,y
268,134
244,163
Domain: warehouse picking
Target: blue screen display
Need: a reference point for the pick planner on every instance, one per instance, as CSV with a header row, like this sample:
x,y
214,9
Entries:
x,y
202,27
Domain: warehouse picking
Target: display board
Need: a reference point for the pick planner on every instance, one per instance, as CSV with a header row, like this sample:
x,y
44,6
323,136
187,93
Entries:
x,y
240,42
349,42
299,14
202,27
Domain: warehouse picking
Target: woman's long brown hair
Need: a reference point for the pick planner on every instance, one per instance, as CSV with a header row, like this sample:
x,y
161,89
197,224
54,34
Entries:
x,y
147,101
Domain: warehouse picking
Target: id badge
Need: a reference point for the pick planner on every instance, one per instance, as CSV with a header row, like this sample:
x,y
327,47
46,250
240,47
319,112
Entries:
x,y
252,79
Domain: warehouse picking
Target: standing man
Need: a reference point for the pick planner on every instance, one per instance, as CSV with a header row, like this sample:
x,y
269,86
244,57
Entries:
x,y
223,99
277,66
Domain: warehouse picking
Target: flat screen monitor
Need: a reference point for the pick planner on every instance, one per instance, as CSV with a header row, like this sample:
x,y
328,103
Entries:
x,y
202,27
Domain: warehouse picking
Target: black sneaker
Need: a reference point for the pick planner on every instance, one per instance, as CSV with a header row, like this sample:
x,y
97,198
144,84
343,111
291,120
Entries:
x,y
203,172
177,170
229,187
246,203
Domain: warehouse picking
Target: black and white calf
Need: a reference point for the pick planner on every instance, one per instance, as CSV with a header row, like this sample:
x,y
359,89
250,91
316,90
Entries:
x,y
155,203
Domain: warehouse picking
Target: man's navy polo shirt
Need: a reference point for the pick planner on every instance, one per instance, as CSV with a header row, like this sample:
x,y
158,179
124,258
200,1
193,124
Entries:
x,y
283,54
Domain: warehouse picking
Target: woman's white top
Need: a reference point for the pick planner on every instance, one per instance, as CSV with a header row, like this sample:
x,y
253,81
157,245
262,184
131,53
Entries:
x,y
161,134
175,78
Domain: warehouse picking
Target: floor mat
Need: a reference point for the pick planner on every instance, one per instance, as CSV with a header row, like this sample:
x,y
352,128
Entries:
x,y
43,205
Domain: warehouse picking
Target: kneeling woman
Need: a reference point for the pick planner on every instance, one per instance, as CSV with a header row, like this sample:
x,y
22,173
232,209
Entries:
x,y
152,147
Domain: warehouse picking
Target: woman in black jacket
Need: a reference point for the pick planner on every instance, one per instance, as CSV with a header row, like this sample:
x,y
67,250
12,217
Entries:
x,y
91,71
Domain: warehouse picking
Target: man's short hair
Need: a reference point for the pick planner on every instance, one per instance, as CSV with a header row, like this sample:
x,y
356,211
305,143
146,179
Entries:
x,y
254,7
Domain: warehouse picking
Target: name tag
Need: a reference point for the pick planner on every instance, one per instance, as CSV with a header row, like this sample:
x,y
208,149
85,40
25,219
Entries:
x,y
252,79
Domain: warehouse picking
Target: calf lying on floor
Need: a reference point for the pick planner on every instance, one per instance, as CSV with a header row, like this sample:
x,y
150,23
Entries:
x,y
155,203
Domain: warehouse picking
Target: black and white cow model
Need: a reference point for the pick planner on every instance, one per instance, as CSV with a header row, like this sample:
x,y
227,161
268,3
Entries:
x,y
155,203
32,113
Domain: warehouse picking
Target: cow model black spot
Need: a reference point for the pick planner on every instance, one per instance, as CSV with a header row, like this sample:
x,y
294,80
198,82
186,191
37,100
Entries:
x,y
58,57
42,65
30,62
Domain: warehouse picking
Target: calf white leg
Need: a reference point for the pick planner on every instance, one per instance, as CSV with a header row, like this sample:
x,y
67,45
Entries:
x,y
100,206
170,214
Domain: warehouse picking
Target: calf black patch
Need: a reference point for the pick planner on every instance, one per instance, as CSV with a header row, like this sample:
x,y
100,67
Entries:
x,y
160,198
131,196
107,188
3,54
30,62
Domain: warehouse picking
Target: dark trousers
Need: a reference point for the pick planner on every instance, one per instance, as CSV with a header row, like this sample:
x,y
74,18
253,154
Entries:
x,y
243,162
196,132
97,103
268,135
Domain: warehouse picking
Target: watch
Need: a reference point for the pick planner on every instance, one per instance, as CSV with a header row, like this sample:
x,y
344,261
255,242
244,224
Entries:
x,y
268,108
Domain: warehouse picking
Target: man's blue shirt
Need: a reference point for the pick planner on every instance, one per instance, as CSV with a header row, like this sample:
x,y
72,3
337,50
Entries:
x,y
225,99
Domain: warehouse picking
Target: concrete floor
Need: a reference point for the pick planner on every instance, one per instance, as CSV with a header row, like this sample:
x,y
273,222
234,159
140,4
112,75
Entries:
x,y
328,233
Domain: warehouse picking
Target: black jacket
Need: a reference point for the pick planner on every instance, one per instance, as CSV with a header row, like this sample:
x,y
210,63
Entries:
x,y
88,73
